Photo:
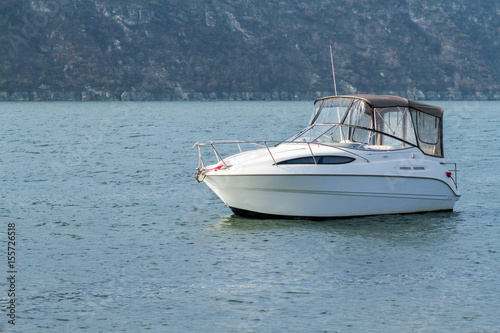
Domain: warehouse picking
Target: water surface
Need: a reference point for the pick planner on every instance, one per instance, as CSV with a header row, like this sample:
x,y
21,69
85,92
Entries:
x,y
114,234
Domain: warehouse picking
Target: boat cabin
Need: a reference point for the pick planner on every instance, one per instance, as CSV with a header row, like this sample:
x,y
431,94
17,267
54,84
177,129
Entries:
x,y
379,122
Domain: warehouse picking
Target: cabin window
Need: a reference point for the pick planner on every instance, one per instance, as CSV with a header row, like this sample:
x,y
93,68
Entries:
x,y
359,116
395,121
428,128
429,133
319,160
331,111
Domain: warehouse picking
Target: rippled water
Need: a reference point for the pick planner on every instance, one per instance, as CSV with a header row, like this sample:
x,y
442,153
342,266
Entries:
x,y
114,234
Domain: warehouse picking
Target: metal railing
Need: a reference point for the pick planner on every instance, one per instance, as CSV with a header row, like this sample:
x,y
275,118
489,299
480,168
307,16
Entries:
x,y
263,144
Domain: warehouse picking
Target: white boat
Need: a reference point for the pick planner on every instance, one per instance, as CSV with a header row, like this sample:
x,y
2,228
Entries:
x,y
360,155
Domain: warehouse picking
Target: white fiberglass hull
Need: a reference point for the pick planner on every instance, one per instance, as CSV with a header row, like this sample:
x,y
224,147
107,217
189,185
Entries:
x,y
360,155
331,195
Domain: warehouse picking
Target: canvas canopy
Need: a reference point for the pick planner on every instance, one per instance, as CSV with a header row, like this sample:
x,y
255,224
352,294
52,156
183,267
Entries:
x,y
385,101
397,122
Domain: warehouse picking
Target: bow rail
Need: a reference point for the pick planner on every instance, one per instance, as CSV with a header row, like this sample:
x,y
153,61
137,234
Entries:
x,y
260,144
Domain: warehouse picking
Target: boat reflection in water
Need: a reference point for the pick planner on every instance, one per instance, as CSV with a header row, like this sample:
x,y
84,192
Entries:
x,y
360,155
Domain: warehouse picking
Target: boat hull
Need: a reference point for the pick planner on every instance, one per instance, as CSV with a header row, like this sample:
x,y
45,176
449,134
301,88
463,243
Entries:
x,y
324,196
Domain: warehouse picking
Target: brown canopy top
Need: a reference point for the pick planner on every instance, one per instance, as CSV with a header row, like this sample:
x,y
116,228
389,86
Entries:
x,y
385,101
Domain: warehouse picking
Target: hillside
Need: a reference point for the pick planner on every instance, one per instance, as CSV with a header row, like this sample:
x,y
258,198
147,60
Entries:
x,y
247,49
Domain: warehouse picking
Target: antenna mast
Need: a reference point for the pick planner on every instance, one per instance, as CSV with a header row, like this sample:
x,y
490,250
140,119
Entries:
x,y
333,71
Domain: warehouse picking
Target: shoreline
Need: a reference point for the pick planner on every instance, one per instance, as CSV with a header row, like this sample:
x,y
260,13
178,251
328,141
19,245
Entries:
x,y
417,95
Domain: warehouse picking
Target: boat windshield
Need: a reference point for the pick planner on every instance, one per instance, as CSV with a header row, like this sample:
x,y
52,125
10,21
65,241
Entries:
x,y
331,111
352,122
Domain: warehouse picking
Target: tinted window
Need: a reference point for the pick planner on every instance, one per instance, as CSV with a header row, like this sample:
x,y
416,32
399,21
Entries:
x,y
301,160
319,160
335,160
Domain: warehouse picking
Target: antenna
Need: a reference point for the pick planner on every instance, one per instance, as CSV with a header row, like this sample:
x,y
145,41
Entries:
x,y
333,71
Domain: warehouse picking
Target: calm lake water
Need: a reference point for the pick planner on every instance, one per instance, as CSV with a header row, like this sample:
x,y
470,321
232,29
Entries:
x,y
113,233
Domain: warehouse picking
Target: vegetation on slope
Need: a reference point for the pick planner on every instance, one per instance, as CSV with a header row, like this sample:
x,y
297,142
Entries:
x,y
217,46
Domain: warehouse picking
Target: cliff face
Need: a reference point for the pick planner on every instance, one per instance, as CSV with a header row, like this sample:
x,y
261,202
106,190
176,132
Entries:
x,y
222,48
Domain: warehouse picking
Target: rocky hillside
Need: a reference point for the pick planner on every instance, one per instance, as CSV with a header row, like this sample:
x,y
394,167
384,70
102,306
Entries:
x,y
248,49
